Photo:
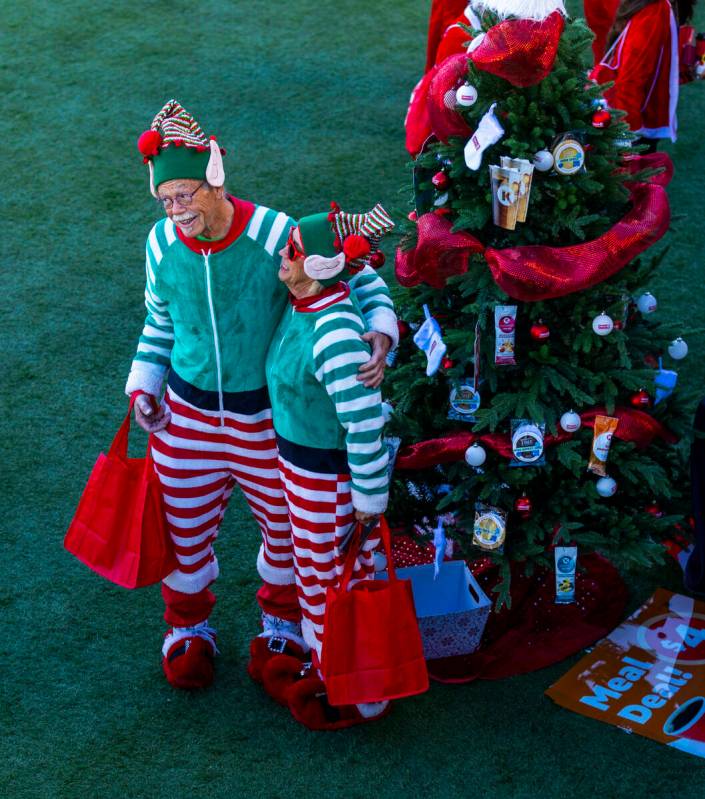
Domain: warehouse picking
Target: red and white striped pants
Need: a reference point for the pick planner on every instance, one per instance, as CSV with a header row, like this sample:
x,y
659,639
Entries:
x,y
322,516
198,461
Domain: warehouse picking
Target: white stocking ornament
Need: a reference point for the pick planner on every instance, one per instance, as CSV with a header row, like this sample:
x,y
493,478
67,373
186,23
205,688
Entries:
x,y
428,339
488,132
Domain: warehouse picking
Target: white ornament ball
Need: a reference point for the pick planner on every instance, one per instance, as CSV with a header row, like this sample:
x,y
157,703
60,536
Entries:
x,y
380,561
678,349
543,160
387,411
647,303
570,421
606,486
475,455
466,95
442,199
602,325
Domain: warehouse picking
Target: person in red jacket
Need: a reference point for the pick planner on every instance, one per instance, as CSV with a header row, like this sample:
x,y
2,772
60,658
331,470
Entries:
x,y
599,15
642,60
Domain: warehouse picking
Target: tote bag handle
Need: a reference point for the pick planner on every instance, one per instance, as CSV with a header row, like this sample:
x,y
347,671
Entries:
x,y
354,551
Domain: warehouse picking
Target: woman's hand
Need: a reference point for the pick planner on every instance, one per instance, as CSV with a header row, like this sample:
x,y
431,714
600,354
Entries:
x,y
371,373
149,416
366,518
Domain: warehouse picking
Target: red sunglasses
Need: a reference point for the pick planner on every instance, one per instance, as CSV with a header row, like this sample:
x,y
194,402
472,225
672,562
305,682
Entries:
x,y
292,250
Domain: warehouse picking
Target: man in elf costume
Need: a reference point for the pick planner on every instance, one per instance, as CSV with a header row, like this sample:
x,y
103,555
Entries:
x,y
332,461
213,303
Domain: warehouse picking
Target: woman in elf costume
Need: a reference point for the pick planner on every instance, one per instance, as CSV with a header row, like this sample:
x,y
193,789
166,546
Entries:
x,y
328,425
642,60
213,302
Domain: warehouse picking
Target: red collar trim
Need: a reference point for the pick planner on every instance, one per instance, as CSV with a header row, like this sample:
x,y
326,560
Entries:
x,y
325,299
243,214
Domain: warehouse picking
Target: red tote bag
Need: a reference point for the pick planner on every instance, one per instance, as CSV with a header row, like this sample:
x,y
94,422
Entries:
x,y
119,529
372,647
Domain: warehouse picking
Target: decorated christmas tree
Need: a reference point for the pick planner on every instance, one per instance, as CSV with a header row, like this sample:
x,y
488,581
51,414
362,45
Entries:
x,y
534,397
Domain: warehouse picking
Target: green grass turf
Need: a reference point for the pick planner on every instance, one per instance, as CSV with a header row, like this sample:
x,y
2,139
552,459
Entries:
x,y
309,99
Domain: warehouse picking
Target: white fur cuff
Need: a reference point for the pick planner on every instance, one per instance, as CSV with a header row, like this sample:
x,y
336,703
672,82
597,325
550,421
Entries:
x,y
145,376
271,575
384,320
375,503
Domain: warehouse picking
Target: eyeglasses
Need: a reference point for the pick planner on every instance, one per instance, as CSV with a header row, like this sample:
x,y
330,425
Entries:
x,y
292,250
182,199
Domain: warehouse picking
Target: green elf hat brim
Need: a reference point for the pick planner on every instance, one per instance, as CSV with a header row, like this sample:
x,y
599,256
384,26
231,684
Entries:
x,y
323,262
180,163
317,235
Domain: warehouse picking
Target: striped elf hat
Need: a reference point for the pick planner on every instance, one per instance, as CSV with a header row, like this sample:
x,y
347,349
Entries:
x,y
175,147
338,240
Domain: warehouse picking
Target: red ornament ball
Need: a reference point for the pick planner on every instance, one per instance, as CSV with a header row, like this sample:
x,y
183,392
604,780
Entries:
x,y
441,181
442,211
618,324
149,143
641,399
601,118
448,363
403,328
539,332
654,510
377,259
522,505
412,216
356,246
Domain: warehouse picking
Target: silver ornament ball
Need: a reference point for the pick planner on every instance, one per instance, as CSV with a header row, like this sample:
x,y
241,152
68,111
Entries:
x,y
606,486
466,95
475,455
602,325
570,421
543,160
647,303
678,349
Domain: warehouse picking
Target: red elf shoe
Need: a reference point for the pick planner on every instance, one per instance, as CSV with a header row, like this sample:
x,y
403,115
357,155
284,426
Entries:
x,y
264,648
283,671
189,655
308,703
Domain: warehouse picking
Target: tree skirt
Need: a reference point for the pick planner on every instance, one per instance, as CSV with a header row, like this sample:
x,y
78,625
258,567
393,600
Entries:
x,y
534,632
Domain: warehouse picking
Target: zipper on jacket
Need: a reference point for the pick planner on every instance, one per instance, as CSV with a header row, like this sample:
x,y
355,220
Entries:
x,y
216,343
286,333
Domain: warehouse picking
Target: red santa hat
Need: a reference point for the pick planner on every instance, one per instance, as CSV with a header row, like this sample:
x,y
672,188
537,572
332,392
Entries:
x,y
523,47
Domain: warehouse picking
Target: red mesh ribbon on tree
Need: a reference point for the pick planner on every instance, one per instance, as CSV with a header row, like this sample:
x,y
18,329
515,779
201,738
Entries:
x,y
634,426
538,272
438,255
522,51
445,120
631,164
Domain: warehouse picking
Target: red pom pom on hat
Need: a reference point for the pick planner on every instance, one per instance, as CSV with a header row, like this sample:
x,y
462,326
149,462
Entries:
x,y
356,246
149,143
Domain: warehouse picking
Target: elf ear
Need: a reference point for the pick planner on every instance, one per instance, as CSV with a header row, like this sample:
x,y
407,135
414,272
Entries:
x,y
215,174
151,179
320,268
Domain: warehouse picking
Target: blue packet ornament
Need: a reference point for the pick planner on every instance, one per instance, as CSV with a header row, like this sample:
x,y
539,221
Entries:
x,y
428,339
664,382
